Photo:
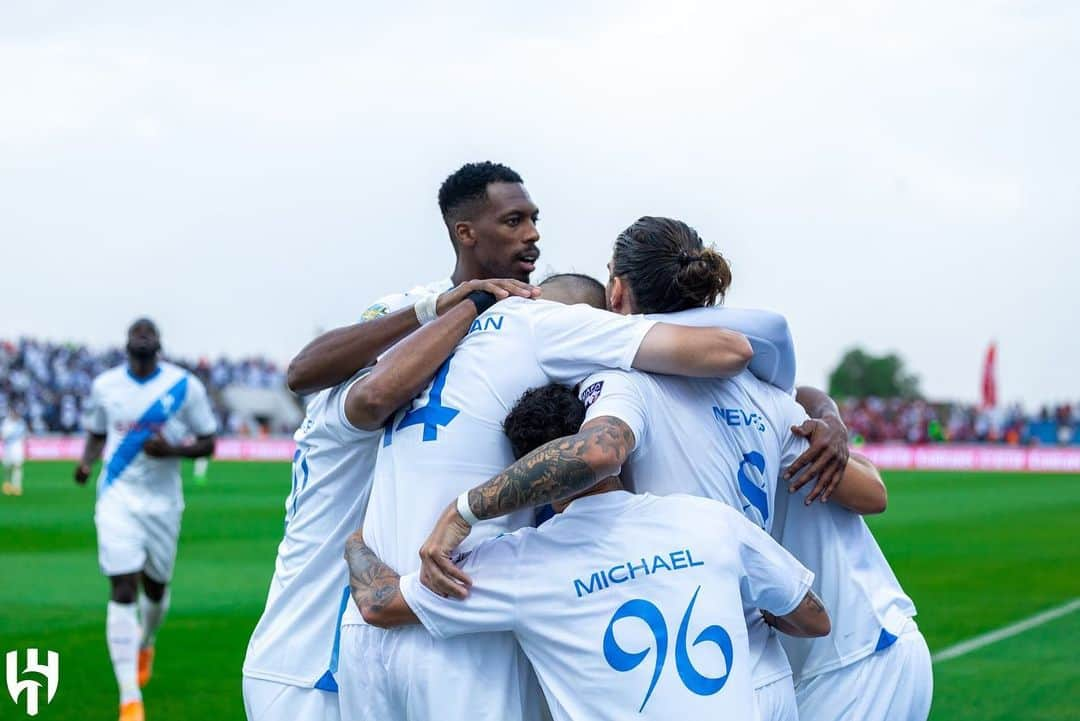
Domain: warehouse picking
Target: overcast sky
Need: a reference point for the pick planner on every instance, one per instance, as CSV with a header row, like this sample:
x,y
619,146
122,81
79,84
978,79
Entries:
x,y
898,175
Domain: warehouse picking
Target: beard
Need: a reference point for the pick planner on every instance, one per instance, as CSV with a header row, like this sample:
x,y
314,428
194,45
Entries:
x,y
143,353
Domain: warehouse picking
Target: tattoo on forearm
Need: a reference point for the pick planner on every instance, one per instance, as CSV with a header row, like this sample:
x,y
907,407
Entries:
x,y
374,584
553,471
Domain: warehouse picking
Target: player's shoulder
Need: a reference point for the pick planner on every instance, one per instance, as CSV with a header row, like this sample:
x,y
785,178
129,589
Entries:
x,y
396,301
682,504
111,378
611,381
505,545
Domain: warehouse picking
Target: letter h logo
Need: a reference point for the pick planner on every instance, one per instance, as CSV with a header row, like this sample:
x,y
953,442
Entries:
x,y
50,670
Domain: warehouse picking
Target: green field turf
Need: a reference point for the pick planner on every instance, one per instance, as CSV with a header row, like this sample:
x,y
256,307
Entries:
x,y
975,551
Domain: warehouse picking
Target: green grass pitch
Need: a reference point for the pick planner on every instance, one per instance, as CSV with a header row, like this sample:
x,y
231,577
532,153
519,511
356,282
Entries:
x,y
975,551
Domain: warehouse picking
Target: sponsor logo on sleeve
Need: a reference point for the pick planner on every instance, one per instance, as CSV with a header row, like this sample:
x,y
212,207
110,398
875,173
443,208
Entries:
x,y
592,393
376,311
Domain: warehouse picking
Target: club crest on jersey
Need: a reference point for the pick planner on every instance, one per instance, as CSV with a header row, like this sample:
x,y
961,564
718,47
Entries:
x,y
592,393
376,311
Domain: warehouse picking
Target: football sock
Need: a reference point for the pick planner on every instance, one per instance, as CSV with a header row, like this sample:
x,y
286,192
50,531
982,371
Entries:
x,y
152,614
122,635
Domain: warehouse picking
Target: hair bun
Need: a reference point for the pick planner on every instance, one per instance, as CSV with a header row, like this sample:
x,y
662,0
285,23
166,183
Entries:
x,y
703,276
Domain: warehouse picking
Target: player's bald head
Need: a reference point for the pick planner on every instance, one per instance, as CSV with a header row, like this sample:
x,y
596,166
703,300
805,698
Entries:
x,y
573,288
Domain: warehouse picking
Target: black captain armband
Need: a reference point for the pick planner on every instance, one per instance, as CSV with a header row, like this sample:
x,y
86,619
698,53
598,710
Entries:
x,y
482,300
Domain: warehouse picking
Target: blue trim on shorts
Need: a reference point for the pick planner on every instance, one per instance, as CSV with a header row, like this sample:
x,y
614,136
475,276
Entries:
x,y
327,682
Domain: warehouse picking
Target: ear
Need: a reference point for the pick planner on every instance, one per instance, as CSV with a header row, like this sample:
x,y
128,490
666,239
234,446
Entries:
x,y
463,232
619,297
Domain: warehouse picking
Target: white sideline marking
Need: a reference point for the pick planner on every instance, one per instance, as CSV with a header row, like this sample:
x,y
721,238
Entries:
x,y
972,644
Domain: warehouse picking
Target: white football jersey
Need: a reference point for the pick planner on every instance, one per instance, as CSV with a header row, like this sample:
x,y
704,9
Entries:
x,y
296,639
13,432
628,606
129,411
868,607
450,438
721,439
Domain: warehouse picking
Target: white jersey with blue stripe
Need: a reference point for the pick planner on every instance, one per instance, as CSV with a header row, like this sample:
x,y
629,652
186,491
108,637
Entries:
x,y
721,439
295,641
128,411
628,606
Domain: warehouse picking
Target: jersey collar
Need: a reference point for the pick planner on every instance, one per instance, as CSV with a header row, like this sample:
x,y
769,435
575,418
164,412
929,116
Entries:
x,y
147,379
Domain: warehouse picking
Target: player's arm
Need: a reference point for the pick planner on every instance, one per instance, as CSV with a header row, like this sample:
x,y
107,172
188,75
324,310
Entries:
x,y
698,352
558,469
808,620
408,367
861,489
768,333
337,355
95,444
375,587
826,459
201,447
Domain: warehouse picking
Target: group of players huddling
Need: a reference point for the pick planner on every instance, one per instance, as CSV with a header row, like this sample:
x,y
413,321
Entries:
x,y
707,556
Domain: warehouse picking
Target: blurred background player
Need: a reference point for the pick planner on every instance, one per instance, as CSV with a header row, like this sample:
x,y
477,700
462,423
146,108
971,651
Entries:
x,y
579,592
13,436
139,413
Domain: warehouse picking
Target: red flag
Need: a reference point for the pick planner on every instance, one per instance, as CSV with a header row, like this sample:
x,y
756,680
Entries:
x,y
989,379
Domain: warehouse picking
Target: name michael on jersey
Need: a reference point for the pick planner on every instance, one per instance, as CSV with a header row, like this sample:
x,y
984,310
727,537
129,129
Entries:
x,y
602,579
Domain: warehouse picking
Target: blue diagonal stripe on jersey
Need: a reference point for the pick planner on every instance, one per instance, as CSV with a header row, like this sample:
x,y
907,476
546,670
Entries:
x,y
160,411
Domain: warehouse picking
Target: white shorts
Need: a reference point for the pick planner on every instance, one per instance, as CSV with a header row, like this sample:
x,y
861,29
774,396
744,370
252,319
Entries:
x,y
406,674
270,701
896,684
776,701
130,541
14,457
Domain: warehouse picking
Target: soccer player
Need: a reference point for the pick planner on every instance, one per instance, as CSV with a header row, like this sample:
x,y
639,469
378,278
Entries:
x,y
289,669
13,436
140,414
875,664
721,439
448,438
627,605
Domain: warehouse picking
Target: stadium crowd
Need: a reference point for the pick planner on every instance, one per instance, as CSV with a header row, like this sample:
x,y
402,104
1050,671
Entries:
x,y
879,420
48,382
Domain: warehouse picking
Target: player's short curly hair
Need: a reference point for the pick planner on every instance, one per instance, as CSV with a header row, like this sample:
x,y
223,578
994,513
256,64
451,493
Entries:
x,y
541,415
469,183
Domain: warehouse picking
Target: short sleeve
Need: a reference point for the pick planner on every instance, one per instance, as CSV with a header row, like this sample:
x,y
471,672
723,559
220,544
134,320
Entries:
x,y
573,341
94,418
197,414
616,394
774,579
791,445
338,420
491,603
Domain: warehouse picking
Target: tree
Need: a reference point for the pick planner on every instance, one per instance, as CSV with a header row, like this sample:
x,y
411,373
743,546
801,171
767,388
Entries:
x,y
861,374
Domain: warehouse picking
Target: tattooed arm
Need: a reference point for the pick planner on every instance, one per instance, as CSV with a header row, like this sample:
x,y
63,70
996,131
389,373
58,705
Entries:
x,y
556,470
375,586
808,620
